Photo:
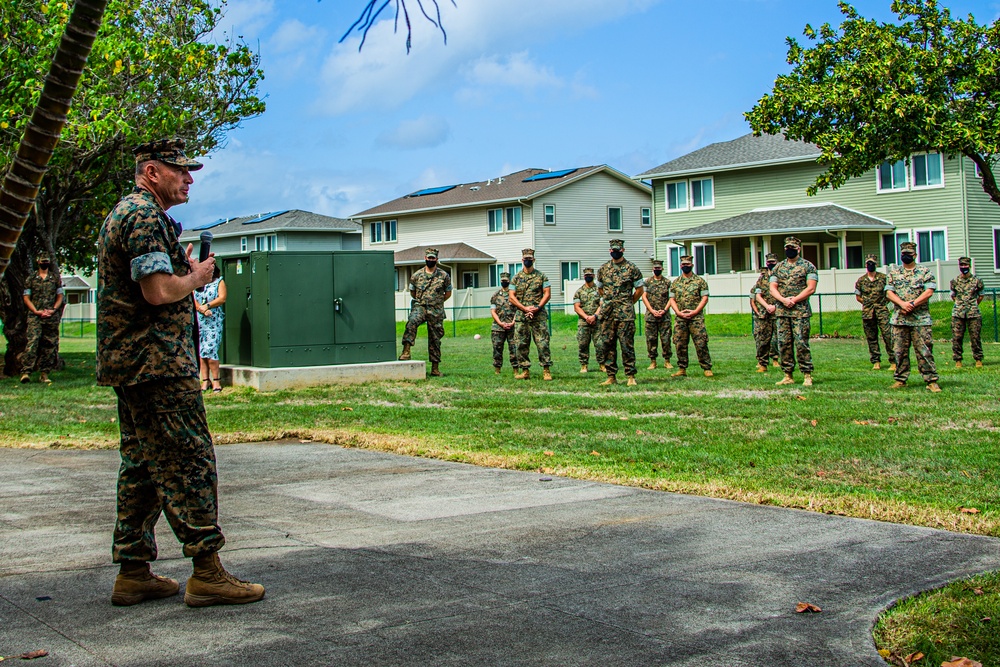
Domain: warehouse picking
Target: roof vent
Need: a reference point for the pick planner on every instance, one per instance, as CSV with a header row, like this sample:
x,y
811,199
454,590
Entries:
x,y
500,180
474,188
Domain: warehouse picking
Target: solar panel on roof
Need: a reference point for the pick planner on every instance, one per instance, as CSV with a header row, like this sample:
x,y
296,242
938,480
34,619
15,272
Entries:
x,y
548,175
262,218
206,225
433,191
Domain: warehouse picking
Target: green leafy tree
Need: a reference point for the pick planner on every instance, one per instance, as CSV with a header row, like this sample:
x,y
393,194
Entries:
x,y
869,92
154,72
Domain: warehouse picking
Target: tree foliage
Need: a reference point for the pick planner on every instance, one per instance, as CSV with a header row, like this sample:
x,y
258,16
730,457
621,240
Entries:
x,y
869,92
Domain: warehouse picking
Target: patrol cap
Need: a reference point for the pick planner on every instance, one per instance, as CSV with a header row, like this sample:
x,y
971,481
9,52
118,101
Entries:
x,y
687,259
769,256
907,245
169,151
528,252
965,261
589,271
504,274
793,242
42,257
871,257
657,263
431,253
617,244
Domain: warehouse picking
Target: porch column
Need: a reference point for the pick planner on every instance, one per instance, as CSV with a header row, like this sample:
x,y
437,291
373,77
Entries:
x,y
754,264
766,243
842,245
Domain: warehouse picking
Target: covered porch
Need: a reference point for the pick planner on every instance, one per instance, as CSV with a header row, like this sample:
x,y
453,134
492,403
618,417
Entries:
x,y
469,268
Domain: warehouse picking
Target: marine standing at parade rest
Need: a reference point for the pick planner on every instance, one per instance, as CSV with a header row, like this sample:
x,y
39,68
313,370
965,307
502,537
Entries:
x,y
656,298
763,306
43,296
502,331
146,351
529,292
620,284
430,287
587,304
910,286
869,291
791,284
967,293
690,295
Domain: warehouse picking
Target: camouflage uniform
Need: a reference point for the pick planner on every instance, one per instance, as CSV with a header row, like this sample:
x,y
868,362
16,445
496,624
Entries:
x,y
589,299
793,323
529,288
427,305
874,314
658,329
764,330
966,290
912,328
688,292
617,283
147,353
500,302
43,332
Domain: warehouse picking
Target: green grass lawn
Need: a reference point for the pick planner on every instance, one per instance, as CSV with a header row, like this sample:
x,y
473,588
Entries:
x,y
849,445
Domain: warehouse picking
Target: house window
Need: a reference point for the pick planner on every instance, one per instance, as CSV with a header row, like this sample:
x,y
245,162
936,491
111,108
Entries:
x,y
400,282
892,176
677,199
646,216
570,270
495,218
890,245
390,231
704,258
266,242
550,214
996,249
243,244
614,218
855,256
931,245
514,268
375,232
514,219
470,279
701,193
495,272
927,170
674,252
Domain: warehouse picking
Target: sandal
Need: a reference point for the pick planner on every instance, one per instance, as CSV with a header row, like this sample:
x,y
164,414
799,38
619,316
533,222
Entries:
x,y
215,381
204,384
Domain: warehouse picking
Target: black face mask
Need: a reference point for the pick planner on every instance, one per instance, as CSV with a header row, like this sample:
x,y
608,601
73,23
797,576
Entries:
x,y
528,262
504,283
657,272
791,253
617,254
870,266
963,269
906,258
431,263
588,279
43,265
771,265
687,268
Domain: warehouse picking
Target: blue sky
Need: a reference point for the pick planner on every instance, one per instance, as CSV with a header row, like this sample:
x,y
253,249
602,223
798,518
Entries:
x,y
521,83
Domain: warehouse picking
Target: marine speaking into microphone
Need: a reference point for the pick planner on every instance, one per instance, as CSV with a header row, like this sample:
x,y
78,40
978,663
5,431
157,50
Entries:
x,y
205,250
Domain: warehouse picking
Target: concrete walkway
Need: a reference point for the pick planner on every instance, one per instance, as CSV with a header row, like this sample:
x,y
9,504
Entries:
x,y
377,559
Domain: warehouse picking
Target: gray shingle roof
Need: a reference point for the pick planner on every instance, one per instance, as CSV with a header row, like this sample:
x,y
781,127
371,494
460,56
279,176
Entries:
x,y
747,150
294,220
447,252
74,283
785,220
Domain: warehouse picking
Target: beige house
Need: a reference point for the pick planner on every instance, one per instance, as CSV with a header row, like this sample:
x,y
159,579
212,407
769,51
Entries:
x,y
480,228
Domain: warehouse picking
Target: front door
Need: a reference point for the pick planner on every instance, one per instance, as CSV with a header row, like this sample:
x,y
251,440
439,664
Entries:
x,y
810,251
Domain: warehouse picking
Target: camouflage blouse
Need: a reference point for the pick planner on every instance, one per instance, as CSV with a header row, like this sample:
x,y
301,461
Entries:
x,y
617,283
966,290
500,302
908,285
872,293
762,287
792,278
43,292
588,298
429,290
529,288
658,292
137,341
688,291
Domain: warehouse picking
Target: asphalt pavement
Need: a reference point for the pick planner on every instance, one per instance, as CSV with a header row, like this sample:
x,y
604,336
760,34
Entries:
x,y
377,559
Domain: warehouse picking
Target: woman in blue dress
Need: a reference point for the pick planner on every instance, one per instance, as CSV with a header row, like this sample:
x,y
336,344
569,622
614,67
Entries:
x,y
210,316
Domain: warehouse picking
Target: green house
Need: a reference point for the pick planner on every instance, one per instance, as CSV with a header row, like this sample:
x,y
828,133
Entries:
x,y
731,202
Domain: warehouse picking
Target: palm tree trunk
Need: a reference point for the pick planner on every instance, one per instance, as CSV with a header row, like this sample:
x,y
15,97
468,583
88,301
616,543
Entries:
x,y
20,186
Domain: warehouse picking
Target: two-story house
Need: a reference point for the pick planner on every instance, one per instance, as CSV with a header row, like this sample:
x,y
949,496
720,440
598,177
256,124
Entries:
x,y
280,230
730,202
480,228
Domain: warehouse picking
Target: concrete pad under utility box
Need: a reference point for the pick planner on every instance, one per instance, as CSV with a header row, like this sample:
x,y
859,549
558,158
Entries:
x,y
275,379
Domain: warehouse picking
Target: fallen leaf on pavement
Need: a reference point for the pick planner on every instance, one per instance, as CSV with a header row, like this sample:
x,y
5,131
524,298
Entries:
x,y
30,655
303,442
805,606
969,510
961,662
913,657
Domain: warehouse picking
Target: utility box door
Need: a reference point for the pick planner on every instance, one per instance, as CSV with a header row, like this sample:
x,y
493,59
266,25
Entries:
x,y
236,332
301,299
365,299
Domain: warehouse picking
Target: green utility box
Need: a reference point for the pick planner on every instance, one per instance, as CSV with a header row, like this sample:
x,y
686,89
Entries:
x,y
309,308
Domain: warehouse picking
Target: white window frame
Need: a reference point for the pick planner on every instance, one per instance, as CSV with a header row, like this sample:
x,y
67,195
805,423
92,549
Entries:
x,y
572,265
375,233
996,249
497,221
545,214
645,216
475,279
508,215
854,244
265,242
666,197
689,204
878,179
930,230
243,244
673,265
703,205
495,271
389,231
715,258
895,245
913,176
621,219
514,268
827,247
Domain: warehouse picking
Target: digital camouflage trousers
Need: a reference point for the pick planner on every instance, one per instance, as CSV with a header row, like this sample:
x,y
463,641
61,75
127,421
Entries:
x,y
923,347
536,329
974,325
692,330
765,338
42,349
793,344
499,339
435,331
873,326
587,334
615,334
168,464
658,334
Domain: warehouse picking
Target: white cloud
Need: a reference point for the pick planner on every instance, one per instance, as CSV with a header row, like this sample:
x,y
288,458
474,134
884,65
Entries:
x,y
246,18
424,132
293,35
516,71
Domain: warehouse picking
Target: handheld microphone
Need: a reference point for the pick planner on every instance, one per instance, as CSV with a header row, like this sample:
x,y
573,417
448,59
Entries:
x,y
205,250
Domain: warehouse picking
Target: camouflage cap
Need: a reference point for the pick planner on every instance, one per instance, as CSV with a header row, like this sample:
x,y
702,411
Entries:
x,y
907,245
589,271
169,151
431,253
793,242
42,257
657,263
504,274
965,261
769,256
871,257
617,244
528,252
687,259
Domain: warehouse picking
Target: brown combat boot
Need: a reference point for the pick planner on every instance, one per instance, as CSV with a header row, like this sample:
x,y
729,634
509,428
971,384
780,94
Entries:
x,y
610,381
898,385
776,363
709,374
631,381
652,365
602,369
25,378
958,364
210,584
892,367
496,370
667,364
435,371
933,387
679,373
546,374
761,368
523,374
583,368
136,583
979,364
788,379
406,353
877,366
44,378
807,380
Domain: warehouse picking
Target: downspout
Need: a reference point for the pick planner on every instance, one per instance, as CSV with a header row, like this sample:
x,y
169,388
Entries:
x,y
965,206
